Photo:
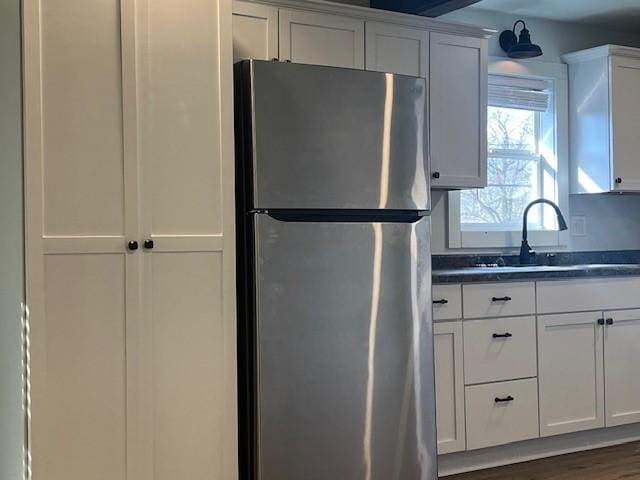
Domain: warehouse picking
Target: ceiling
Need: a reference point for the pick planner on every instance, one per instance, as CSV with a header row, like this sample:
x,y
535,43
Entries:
x,y
621,15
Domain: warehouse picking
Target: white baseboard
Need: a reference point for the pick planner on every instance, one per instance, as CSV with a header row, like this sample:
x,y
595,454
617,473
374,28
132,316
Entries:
x,y
462,462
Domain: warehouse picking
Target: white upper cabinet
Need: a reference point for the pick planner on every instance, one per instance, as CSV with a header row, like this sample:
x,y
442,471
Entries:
x,y
453,58
458,111
625,122
570,372
255,31
604,116
622,366
397,49
321,39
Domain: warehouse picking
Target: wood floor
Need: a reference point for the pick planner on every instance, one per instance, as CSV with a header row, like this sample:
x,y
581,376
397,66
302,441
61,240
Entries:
x,y
613,463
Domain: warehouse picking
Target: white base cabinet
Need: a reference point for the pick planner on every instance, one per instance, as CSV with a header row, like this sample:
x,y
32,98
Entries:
x,y
539,359
449,383
571,374
622,367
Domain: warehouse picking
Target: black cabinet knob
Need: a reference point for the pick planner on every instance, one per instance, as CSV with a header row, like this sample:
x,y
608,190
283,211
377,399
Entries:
x,y
443,301
618,180
609,321
132,245
436,175
601,321
148,244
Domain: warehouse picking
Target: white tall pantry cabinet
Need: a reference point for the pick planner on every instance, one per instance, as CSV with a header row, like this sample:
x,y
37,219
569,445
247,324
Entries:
x,y
128,138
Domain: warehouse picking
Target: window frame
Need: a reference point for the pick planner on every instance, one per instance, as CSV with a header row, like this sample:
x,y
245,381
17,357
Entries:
x,y
492,238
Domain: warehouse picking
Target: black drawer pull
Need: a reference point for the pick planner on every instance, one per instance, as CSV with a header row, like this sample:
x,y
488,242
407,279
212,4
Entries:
x,y
443,301
502,335
503,400
500,299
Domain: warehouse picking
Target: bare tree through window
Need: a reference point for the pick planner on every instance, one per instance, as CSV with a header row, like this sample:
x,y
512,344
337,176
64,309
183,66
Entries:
x,y
512,167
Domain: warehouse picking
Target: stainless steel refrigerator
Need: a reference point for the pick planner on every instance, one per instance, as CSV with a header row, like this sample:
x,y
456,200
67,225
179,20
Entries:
x,y
334,275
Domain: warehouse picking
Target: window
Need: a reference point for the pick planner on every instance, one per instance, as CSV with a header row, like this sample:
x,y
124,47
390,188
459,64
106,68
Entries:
x,y
522,166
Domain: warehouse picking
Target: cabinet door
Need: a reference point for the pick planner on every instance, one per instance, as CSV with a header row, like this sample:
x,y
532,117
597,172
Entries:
x,y
449,386
80,213
321,39
188,363
396,49
255,31
625,123
186,340
458,111
570,373
622,367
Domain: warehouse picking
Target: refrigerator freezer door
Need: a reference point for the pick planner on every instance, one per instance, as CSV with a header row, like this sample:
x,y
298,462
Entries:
x,y
328,138
345,363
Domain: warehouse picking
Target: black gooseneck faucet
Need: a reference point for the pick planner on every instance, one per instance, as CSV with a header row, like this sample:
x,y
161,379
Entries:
x,y
526,253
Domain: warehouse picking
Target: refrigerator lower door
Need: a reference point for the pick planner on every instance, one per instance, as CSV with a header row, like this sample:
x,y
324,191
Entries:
x,y
345,385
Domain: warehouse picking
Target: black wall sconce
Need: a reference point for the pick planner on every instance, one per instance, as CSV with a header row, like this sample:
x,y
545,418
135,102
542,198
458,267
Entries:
x,y
519,47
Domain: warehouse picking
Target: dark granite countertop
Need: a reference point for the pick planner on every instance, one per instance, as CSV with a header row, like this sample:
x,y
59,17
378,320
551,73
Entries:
x,y
499,274
483,268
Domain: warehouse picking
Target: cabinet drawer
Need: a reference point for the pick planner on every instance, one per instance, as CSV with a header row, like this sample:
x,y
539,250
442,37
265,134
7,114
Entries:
x,y
499,413
581,295
499,349
447,302
498,299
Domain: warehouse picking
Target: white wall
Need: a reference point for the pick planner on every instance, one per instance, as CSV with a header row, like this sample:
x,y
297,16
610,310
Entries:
x,y
555,38
613,221
11,244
